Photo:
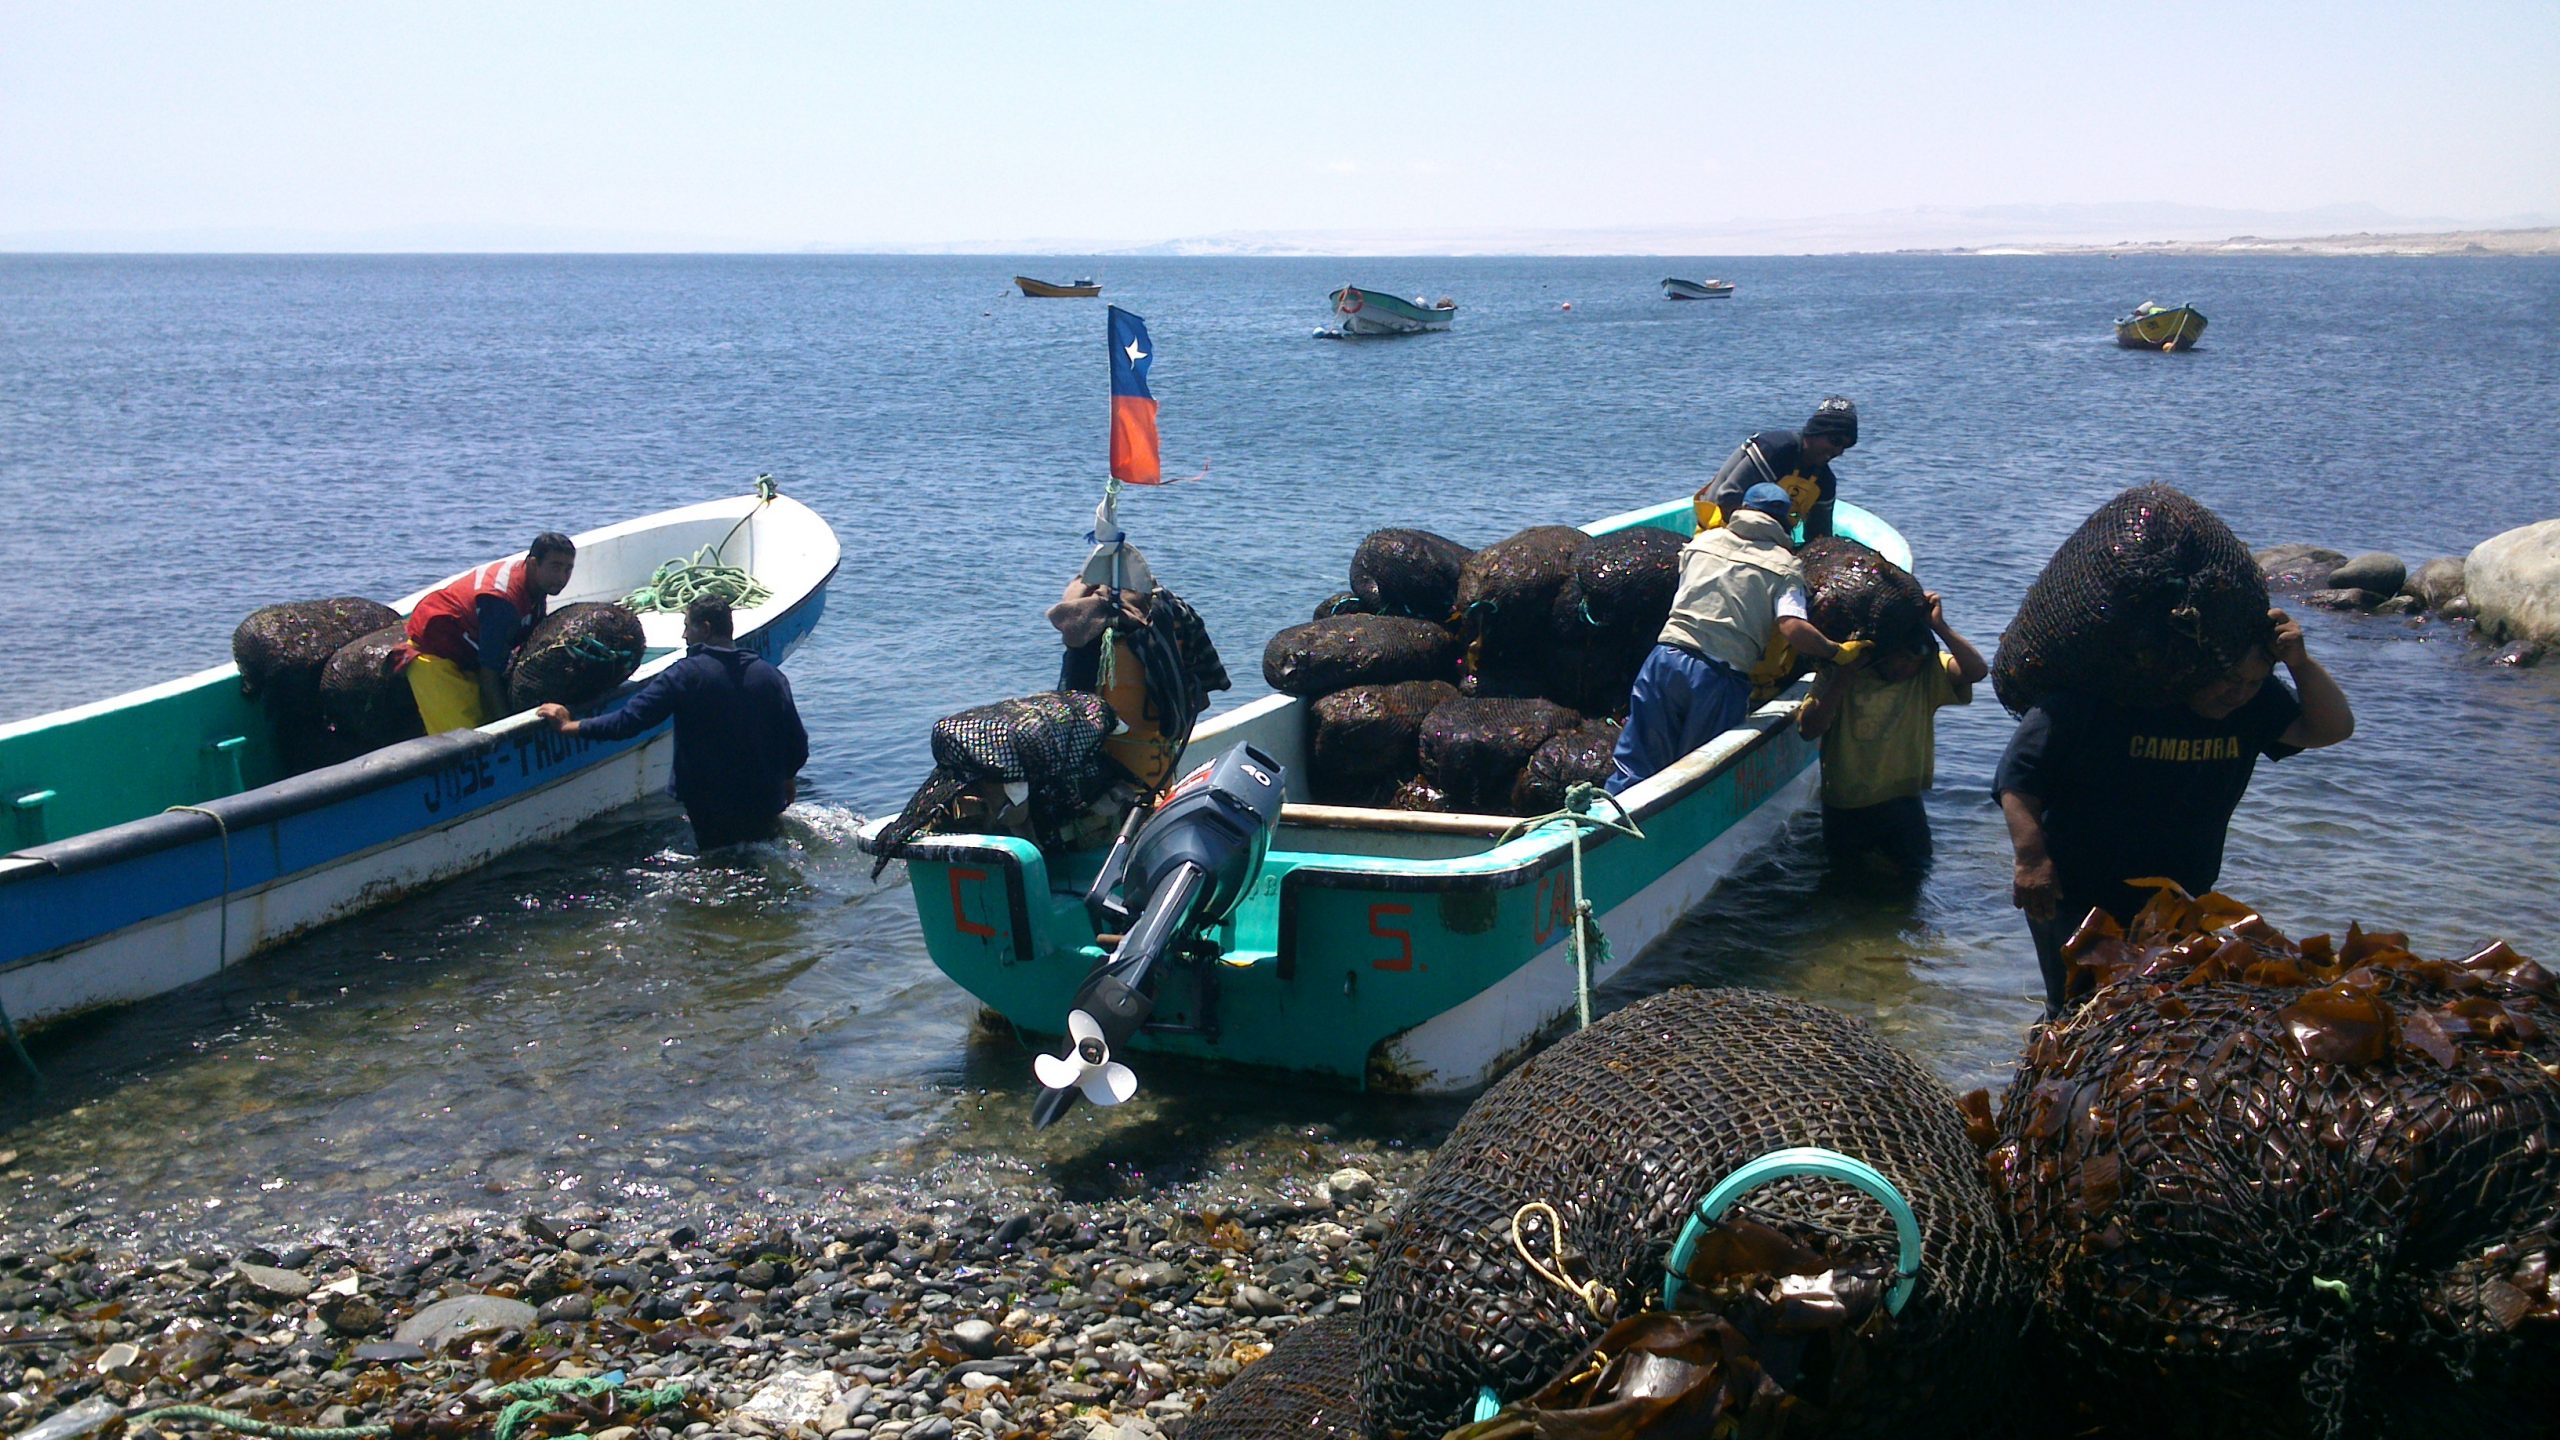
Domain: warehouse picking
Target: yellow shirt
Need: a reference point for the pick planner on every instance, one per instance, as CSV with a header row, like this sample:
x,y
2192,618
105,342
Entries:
x,y
1883,745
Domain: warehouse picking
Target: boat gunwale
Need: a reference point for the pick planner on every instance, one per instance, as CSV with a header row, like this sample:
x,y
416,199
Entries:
x,y
366,774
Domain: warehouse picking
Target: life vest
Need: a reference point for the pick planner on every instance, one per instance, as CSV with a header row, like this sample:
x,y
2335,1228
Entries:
x,y
446,624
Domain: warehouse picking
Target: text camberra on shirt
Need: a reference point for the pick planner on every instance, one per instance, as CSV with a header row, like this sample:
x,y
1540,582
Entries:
x,y
2176,747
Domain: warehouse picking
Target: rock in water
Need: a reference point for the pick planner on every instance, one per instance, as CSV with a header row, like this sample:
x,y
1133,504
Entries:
x,y
577,653
364,695
2435,582
2297,567
1323,656
2515,580
1412,573
2374,571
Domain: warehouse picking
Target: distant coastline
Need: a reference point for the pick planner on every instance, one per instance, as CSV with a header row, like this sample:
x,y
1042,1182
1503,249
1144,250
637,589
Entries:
x,y
2544,240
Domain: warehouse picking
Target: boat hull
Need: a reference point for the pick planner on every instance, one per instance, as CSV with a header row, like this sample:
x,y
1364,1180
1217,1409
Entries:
x,y
2171,330
156,903
1371,312
1043,290
1378,949
1696,290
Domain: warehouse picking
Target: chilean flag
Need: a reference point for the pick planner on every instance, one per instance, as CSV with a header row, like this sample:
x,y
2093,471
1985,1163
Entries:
x,y
1136,458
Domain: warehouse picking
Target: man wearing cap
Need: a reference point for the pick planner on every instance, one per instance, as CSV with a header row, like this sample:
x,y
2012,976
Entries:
x,y
1796,461
1739,585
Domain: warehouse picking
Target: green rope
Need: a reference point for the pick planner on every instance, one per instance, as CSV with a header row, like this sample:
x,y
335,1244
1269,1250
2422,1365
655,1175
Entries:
x,y
683,580
1587,934
252,1425
680,582
528,1400
532,1399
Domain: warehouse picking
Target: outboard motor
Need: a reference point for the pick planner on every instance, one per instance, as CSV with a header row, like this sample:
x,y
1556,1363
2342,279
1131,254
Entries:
x,y
1178,872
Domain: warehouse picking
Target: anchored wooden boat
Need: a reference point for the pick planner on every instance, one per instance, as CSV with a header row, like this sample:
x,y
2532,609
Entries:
x,y
1374,312
1673,289
2155,327
1382,948
1043,290
158,838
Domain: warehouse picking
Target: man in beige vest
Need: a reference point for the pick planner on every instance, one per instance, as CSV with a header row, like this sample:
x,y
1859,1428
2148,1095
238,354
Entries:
x,y
1738,583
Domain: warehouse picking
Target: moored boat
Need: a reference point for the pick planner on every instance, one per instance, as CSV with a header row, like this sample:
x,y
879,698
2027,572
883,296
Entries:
x,y
2159,327
159,838
1375,312
1380,948
1045,290
1676,289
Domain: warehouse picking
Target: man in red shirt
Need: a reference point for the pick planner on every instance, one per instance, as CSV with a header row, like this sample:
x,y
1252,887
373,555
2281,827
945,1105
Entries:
x,y
466,631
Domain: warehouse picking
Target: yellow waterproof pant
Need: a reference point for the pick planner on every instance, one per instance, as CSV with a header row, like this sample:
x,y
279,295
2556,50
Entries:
x,y
448,695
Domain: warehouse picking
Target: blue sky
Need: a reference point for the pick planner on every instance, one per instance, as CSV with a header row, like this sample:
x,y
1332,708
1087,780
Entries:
x,y
787,125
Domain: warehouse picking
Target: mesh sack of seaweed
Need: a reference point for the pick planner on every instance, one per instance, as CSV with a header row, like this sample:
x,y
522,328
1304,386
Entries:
x,y
1549,1213
2291,1188
2150,598
1307,1388
1857,594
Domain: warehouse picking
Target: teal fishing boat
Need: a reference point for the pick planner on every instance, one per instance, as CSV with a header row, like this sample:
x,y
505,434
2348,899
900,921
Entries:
x,y
1378,948
157,837
1375,312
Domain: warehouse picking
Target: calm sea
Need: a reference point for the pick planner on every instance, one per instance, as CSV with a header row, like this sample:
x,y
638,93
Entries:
x,y
183,439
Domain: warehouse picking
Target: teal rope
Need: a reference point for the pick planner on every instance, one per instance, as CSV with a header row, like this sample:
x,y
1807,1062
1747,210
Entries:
x,y
252,1425
1587,934
681,581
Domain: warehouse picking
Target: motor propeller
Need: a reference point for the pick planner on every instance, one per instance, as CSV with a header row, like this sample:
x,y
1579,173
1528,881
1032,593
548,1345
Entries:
x,y
1087,1066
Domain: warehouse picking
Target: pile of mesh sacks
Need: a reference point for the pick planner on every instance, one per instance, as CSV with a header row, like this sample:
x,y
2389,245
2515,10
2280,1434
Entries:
x,y
2273,1188
1476,681
328,673
1528,1265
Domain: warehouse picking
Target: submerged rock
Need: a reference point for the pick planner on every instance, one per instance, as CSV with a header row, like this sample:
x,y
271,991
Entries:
x,y
2342,598
2436,582
2297,567
2374,572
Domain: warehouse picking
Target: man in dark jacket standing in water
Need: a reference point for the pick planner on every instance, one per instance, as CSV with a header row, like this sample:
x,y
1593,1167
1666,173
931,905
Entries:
x,y
739,741
2099,795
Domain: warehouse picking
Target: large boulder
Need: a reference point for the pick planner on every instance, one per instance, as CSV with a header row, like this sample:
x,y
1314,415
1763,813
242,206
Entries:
x,y
2515,580
2297,567
2373,572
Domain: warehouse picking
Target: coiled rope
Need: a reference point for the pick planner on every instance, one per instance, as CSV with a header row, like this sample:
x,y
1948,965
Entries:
x,y
683,580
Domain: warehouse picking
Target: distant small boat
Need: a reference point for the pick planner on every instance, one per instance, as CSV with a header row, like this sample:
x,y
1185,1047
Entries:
x,y
1676,289
1043,290
1374,312
2155,327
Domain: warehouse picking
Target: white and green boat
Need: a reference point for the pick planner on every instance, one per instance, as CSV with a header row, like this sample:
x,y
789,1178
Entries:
x,y
1381,948
1375,312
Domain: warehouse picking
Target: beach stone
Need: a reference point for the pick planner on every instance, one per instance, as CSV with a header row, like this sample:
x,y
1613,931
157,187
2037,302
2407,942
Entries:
x,y
567,1308
1254,1300
2515,580
2435,582
2460,607
86,1418
2375,571
2341,599
350,1314
975,1338
2397,605
2297,567
792,1400
464,1316
120,1361
269,1283
1351,1187
389,1352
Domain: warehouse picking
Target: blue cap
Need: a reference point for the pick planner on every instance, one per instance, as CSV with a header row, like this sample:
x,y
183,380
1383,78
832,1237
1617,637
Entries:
x,y
1769,499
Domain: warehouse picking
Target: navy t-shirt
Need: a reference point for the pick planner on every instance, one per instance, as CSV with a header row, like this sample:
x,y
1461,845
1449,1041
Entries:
x,y
2130,794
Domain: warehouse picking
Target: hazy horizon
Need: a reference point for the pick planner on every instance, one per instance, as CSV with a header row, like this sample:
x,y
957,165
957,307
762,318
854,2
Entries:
x,y
1161,127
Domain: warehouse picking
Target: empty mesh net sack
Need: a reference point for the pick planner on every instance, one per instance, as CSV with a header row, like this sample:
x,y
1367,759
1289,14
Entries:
x,y
1622,1129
